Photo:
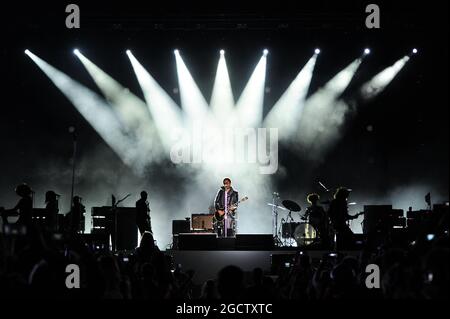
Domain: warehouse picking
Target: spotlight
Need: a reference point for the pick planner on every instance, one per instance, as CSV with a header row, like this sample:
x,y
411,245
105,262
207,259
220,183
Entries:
x,y
176,51
317,51
366,51
222,52
265,51
128,51
27,51
414,51
76,51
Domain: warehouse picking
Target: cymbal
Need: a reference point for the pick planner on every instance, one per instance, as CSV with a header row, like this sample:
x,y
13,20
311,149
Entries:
x,y
291,205
328,202
280,207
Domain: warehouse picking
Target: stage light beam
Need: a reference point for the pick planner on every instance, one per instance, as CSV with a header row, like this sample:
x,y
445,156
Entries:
x,y
165,112
95,110
193,103
222,100
249,107
380,81
286,112
323,115
132,111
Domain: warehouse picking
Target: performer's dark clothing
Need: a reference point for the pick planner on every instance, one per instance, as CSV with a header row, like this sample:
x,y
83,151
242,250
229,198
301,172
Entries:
x,y
52,210
338,214
318,219
76,218
142,216
219,202
25,209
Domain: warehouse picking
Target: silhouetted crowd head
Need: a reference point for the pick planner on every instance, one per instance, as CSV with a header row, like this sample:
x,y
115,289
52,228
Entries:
x,y
34,266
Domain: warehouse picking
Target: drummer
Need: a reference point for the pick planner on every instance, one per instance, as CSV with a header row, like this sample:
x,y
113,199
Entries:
x,y
317,216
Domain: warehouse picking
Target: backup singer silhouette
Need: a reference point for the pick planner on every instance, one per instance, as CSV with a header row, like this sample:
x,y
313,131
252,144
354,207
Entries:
x,y
24,208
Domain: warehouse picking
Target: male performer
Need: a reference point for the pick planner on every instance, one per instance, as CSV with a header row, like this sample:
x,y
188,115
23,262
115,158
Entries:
x,y
51,210
338,214
143,220
226,197
317,217
76,217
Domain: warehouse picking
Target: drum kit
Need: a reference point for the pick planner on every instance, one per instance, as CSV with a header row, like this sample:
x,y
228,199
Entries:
x,y
291,232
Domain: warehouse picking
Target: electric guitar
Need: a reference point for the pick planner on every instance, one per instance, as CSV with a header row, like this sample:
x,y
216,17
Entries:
x,y
344,223
220,213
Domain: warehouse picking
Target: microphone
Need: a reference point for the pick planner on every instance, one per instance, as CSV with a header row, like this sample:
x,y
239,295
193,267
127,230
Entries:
x,y
72,131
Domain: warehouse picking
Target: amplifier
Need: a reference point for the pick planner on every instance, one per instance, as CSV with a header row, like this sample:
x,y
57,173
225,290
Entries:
x,y
414,213
180,226
397,213
202,221
399,222
105,221
374,215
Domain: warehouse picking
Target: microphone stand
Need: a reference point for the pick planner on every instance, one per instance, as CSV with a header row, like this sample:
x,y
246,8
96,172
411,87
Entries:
x,y
276,239
290,220
74,136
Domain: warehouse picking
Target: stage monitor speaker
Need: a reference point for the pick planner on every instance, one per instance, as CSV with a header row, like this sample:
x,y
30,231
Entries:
x,y
373,215
197,241
180,226
254,242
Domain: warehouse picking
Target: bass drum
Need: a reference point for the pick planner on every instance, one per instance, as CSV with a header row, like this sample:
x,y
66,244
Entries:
x,y
305,234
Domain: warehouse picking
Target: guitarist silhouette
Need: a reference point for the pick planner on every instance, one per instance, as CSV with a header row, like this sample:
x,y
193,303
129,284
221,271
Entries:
x,y
338,214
